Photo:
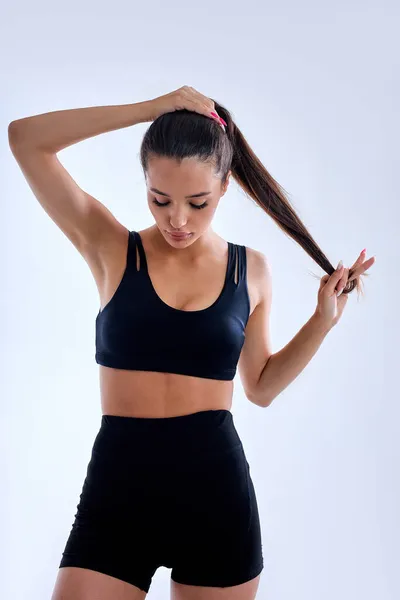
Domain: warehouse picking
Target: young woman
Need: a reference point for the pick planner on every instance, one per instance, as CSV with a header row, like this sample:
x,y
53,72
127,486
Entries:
x,y
168,482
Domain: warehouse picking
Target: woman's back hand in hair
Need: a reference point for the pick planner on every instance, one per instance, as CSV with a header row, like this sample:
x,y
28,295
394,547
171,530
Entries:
x,y
183,98
331,300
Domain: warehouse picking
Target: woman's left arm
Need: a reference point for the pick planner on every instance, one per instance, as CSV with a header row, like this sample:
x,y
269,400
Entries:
x,y
284,366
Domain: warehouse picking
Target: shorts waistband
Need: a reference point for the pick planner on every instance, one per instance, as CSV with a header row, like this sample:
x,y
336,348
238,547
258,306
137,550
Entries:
x,y
204,417
195,433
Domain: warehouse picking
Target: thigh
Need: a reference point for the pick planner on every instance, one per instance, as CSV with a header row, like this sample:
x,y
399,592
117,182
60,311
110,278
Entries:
x,y
216,533
74,583
244,591
112,541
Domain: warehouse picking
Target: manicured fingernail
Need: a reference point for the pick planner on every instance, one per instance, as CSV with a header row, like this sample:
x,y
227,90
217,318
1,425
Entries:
x,y
362,251
224,122
213,114
340,265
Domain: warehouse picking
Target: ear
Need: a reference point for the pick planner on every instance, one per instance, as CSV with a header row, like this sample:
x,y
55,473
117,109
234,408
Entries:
x,y
225,187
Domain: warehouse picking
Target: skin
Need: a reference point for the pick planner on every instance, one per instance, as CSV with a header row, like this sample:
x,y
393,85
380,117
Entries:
x,y
125,392
331,301
177,180
107,265
170,177
193,177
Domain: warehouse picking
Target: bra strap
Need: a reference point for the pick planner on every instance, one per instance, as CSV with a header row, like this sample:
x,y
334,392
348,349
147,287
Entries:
x,y
242,264
136,242
230,269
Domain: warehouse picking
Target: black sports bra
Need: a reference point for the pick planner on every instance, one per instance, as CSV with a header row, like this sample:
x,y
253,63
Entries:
x,y
138,331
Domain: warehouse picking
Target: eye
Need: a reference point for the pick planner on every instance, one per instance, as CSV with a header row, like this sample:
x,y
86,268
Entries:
x,y
198,206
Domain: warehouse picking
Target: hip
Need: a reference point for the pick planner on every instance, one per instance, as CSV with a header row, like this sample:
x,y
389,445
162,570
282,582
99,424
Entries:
x,y
190,462
174,491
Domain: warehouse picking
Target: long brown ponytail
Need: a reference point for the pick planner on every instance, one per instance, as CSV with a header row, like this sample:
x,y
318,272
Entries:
x,y
183,134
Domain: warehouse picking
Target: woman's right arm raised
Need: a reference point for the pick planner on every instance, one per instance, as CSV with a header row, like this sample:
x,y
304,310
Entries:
x,y
35,141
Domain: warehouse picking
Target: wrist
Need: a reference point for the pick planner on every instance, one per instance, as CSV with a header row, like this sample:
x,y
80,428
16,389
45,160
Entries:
x,y
320,323
142,111
149,110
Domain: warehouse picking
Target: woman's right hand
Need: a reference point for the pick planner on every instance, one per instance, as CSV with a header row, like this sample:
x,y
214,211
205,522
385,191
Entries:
x,y
183,98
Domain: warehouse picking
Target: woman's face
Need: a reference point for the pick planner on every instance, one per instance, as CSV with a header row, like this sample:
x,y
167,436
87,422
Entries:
x,y
176,211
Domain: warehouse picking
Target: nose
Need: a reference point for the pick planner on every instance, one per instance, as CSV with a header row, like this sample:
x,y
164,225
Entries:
x,y
177,222
176,228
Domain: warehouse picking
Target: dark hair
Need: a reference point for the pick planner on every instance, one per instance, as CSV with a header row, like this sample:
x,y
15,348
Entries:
x,y
186,134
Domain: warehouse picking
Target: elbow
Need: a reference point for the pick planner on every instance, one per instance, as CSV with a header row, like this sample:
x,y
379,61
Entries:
x,y
261,402
266,403
14,134
12,129
260,397
17,135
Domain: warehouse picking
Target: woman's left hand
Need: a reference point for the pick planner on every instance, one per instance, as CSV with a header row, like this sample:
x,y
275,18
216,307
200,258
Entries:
x,y
331,301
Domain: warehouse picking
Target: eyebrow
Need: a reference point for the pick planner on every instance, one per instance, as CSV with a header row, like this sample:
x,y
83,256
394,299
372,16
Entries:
x,y
156,191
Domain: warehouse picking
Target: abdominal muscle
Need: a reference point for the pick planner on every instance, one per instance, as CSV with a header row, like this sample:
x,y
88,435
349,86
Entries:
x,y
153,394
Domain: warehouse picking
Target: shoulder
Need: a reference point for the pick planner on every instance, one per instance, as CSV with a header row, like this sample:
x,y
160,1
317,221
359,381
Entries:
x,y
259,269
258,260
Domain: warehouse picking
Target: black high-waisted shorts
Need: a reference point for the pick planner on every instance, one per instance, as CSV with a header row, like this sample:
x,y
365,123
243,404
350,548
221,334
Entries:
x,y
173,492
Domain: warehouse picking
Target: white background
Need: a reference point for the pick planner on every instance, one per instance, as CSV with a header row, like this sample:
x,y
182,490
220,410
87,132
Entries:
x,y
314,87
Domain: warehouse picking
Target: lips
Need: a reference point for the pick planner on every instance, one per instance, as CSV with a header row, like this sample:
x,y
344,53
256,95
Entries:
x,y
179,235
